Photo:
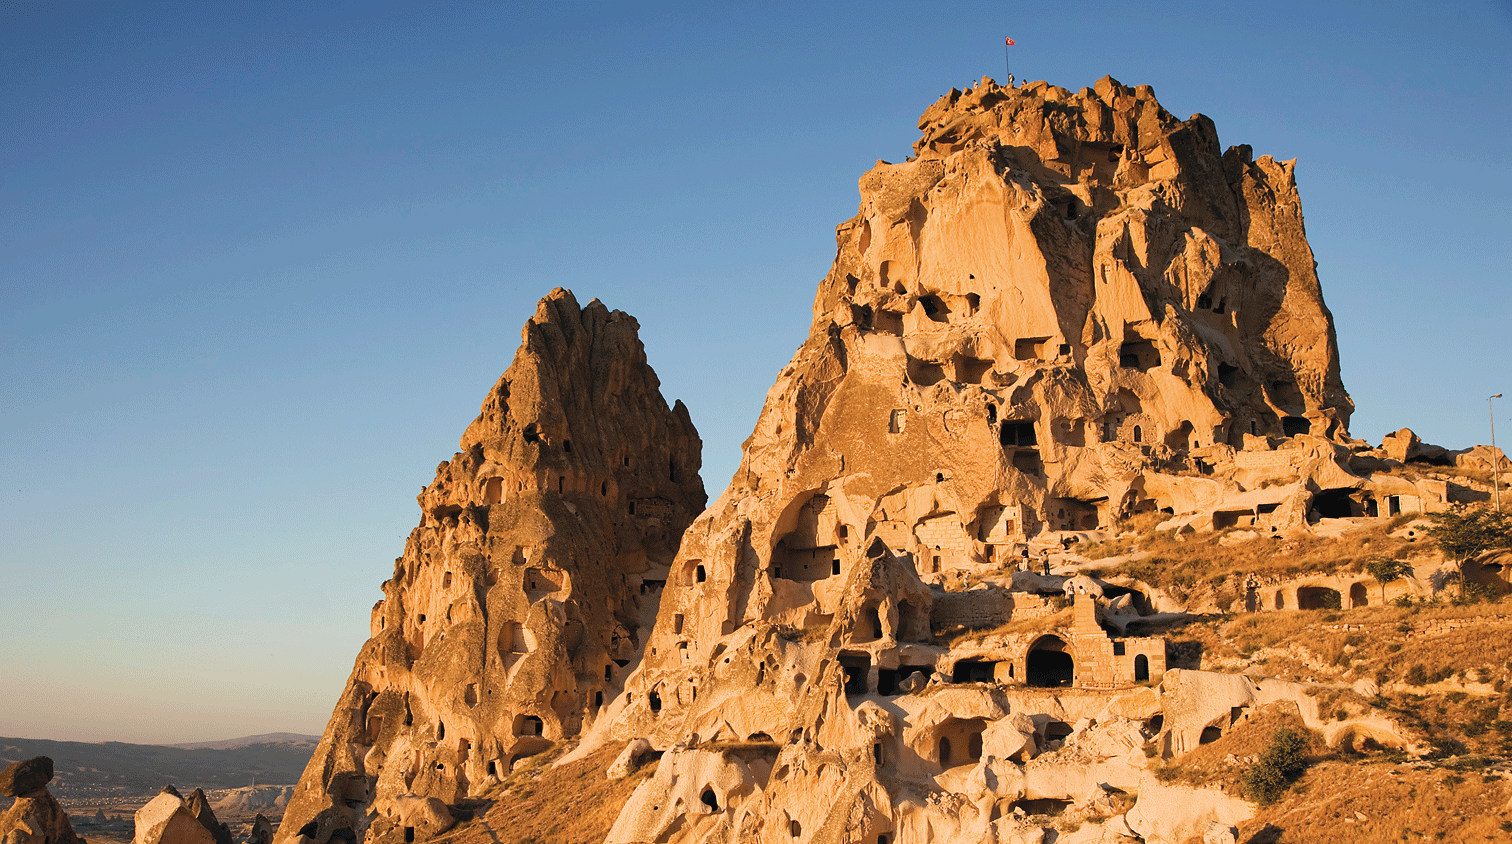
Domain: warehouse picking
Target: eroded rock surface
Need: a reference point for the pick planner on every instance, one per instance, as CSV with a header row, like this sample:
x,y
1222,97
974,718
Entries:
x,y
35,816
171,818
530,584
1066,309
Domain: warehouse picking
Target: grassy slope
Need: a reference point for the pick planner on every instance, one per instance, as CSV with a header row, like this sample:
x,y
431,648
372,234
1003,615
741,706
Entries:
x,y
1449,688
539,803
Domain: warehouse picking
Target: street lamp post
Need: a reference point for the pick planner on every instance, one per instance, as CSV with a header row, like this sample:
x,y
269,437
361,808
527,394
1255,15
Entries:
x,y
1495,455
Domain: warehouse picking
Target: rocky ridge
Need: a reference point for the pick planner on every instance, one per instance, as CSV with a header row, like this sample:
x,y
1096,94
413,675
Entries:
x,y
527,589
1066,311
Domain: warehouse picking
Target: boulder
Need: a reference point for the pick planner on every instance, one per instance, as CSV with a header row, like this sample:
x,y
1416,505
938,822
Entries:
x,y
262,831
169,818
199,808
35,817
628,759
22,778
1404,446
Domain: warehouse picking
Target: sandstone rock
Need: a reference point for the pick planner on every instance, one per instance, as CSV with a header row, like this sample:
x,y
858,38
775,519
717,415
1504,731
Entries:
x,y
689,785
1238,537
20,779
254,798
422,817
1178,813
35,816
1483,458
199,808
1401,446
628,760
171,819
531,582
1066,309
262,831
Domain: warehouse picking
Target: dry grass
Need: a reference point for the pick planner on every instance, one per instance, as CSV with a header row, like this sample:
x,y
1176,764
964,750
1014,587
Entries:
x,y
1393,640
1208,765
1434,684
1061,619
1455,723
1186,564
1343,803
541,804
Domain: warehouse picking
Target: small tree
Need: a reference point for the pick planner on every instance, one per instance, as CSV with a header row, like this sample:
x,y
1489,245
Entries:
x,y
1276,769
1385,569
1466,534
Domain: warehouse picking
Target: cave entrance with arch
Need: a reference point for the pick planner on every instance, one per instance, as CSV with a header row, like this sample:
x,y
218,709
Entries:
x,y
1049,664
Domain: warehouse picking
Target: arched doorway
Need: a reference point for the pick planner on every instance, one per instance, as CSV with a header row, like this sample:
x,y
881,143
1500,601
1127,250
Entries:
x,y
1141,668
1318,598
1049,664
1357,596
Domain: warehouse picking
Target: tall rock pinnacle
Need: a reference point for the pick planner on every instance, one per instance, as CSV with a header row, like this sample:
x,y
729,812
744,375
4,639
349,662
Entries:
x,y
530,582
1065,309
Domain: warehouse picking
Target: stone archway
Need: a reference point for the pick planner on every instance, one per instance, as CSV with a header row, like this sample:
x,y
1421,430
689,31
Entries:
x,y
1049,663
1318,598
1357,596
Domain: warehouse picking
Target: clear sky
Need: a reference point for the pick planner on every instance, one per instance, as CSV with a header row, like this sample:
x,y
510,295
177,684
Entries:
x,y
260,262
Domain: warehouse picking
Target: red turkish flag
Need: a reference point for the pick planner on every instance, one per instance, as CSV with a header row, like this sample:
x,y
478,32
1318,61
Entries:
x,y
1008,41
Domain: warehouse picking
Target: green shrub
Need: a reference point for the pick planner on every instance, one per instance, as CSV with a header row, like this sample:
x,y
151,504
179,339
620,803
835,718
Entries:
x,y
1276,769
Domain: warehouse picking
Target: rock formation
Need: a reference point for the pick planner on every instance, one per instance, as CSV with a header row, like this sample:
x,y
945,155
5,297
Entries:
x,y
171,818
1064,311
262,831
254,798
35,817
529,585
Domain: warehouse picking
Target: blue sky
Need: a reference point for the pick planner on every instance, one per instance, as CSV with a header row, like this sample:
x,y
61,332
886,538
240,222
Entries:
x,y
263,261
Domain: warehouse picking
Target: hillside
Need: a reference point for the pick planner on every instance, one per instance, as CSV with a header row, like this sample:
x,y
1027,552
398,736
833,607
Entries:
x,y
85,770
1052,529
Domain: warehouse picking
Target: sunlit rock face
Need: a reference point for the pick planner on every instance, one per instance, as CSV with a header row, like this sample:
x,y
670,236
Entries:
x,y
530,583
35,816
1065,309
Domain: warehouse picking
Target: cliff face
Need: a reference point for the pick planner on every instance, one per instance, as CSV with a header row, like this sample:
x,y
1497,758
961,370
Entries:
x,y
530,582
1066,309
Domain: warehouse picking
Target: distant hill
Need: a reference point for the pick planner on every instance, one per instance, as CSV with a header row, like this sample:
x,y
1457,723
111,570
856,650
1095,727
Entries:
x,y
292,739
87,769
